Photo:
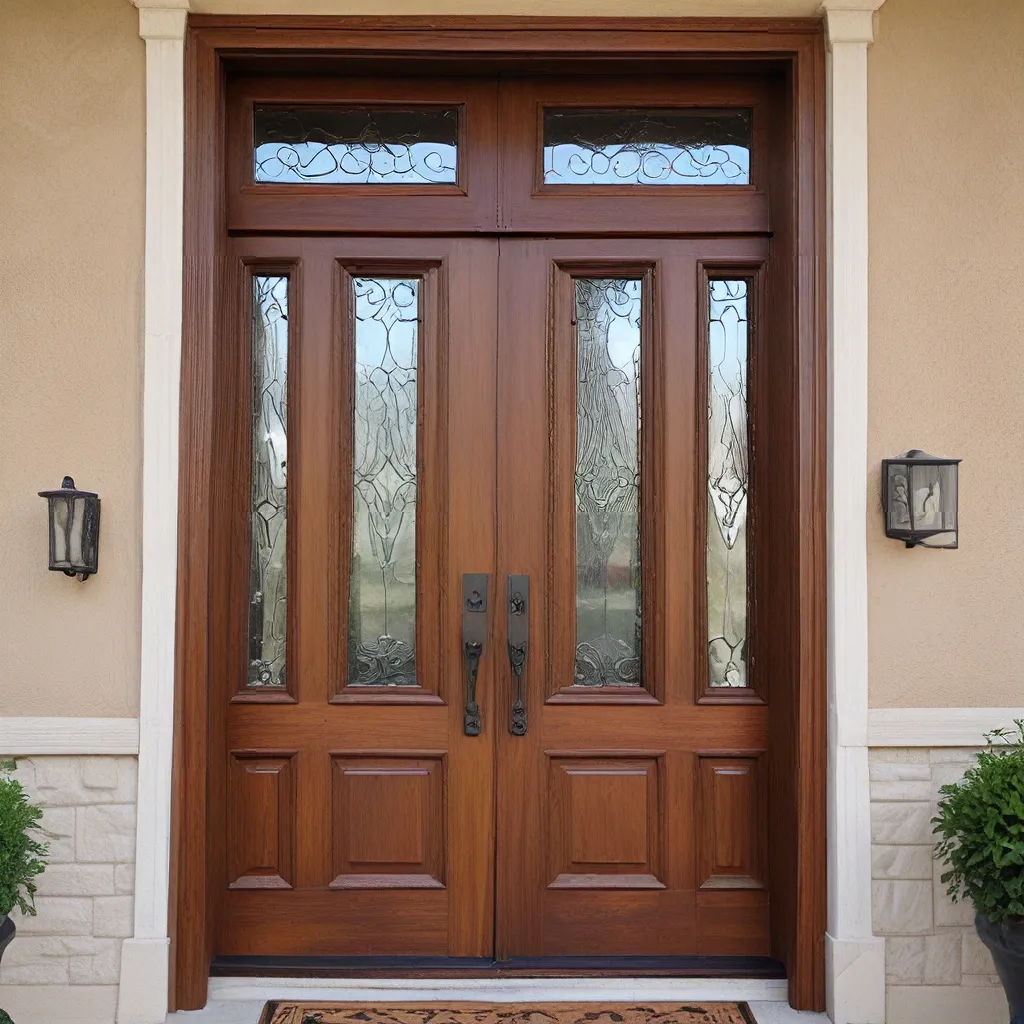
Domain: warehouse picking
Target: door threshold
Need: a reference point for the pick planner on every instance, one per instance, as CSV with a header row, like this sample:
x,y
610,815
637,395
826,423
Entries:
x,y
418,967
503,989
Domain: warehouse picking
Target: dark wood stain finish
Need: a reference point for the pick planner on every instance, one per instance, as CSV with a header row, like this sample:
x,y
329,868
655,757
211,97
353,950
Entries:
x,y
647,747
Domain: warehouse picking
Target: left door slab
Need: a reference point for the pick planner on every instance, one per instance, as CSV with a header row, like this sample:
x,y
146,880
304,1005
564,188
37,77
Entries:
x,y
354,468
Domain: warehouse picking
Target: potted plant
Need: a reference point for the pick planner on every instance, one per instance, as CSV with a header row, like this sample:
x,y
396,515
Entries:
x,y
22,855
980,823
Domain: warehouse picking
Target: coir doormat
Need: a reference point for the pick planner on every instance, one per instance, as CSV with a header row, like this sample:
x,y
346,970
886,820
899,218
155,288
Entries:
x,y
544,1013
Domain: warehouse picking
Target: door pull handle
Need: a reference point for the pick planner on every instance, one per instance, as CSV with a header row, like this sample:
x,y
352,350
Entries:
x,y
474,633
518,646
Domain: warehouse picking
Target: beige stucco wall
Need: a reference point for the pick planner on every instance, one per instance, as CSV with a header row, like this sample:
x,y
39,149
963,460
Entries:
x,y
947,348
71,249
947,362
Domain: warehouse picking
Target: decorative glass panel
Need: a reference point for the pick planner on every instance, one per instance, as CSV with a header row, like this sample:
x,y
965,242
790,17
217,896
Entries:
x,y
607,482
728,484
382,594
646,147
267,572
355,146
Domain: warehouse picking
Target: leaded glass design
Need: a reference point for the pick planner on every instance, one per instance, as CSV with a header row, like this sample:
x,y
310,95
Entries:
x,y
382,592
646,147
268,569
355,145
607,482
728,484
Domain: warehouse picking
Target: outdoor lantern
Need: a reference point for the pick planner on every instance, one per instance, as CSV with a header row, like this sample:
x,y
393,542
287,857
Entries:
x,y
919,496
74,529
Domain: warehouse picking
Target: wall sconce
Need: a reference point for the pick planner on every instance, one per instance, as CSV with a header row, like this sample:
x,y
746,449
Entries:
x,y
74,529
919,497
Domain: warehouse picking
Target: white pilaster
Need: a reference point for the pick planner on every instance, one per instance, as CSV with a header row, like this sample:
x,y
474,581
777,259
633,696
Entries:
x,y
145,957
855,957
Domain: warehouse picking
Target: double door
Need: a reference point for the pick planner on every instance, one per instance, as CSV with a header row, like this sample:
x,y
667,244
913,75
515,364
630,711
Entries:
x,y
492,495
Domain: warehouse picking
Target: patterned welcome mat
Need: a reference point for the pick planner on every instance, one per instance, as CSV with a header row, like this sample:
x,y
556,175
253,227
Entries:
x,y
544,1013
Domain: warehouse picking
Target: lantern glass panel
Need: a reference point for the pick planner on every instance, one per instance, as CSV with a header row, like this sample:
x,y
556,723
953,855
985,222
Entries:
x,y
898,505
60,514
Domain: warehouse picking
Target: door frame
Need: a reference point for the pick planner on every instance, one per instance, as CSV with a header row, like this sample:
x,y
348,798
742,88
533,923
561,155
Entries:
x,y
793,46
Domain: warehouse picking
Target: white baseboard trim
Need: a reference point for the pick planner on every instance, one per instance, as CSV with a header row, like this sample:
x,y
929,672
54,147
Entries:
x,y
24,736
936,727
501,990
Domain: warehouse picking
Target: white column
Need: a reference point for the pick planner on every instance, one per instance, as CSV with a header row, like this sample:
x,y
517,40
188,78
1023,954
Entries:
x,y
145,957
855,958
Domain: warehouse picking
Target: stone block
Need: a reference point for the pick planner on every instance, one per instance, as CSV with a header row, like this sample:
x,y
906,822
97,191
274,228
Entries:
x,y
105,833
99,772
901,907
77,880
58,915
899,771
59,828
897,755
901,862
976,957
947,913
42,972
901,790
124,879
901,824
113,916
102,967
953,755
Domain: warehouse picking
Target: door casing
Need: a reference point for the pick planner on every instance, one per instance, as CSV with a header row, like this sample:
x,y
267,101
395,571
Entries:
x,y
793,494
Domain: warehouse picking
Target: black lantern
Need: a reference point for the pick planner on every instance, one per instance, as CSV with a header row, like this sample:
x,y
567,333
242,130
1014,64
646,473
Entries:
x,y
919,496
74,529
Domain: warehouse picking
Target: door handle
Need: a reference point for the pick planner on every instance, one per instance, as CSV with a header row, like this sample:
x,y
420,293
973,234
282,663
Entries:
x,y
474,633
518,645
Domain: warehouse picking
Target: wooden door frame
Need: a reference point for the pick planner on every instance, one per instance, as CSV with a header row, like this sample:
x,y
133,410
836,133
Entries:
x,y
793,46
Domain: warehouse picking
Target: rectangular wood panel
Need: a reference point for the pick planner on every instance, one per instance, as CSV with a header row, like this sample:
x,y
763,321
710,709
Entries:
x,y
731,840
261,820
605,823
388,822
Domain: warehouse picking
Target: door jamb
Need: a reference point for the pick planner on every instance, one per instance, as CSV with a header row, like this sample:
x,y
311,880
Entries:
x,y
795,46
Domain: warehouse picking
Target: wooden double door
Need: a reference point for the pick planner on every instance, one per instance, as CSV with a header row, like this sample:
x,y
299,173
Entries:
x,y
492,493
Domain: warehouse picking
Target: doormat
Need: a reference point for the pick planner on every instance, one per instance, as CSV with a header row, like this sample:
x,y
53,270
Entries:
x,y
543,1013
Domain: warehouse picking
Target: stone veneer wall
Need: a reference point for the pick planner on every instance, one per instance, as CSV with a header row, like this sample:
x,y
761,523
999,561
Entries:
x,y
937,970
85,895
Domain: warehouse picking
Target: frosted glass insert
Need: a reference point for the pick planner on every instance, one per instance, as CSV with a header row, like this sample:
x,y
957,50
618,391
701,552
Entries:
x,y
608,482
268,570
646,147
355,146
728,484
382,595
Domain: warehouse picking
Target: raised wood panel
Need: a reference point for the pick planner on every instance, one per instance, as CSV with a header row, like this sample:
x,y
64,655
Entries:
x,y
388,822
605,823
731,838
261,820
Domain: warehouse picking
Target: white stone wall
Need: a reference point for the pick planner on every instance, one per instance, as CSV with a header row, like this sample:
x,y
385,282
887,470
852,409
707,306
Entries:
x,y
936,967
85,894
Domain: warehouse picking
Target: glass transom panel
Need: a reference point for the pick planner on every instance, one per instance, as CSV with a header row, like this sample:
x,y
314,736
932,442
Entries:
x,y
382,583
355,145
607,482
646,147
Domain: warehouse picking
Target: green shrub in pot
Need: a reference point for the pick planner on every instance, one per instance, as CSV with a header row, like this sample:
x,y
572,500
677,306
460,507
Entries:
x,y
980,824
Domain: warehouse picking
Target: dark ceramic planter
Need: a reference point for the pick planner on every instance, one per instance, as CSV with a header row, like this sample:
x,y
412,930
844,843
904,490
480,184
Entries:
x,y
6,933
1005,942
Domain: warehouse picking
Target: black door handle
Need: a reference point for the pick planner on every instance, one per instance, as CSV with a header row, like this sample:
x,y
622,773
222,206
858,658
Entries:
x,y
474,633
518,646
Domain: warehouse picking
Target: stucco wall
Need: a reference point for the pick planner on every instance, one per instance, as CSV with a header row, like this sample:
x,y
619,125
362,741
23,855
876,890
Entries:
x,y
72,201
947,352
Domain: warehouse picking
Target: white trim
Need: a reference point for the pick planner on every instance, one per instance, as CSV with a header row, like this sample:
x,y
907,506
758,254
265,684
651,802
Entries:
x,y
501,990
936,727
26,736
855,959
143,996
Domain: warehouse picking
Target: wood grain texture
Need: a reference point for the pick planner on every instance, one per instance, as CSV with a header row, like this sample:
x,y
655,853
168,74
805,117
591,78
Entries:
x,y
207,917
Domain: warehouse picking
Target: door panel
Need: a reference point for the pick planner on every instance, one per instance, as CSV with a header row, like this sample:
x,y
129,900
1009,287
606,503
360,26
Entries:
x,y
631,814
358,815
